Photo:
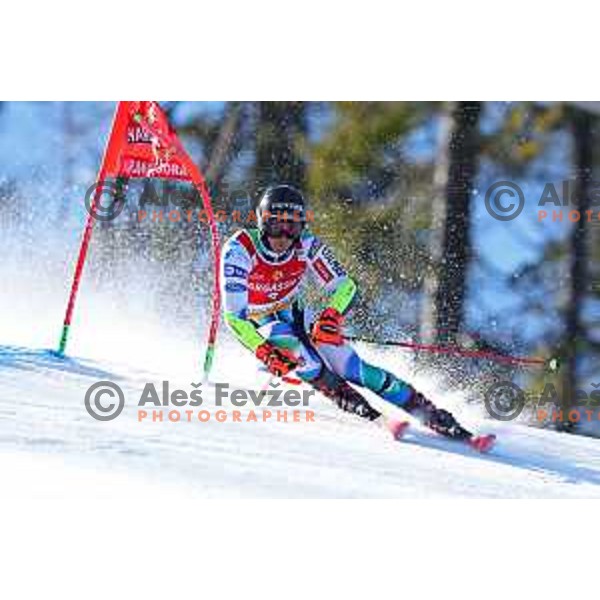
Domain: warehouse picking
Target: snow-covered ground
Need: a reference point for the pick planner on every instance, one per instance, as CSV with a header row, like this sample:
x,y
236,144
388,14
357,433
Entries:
x,y
50,446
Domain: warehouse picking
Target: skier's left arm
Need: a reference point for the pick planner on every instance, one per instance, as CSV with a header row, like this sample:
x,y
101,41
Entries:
x,y
329,273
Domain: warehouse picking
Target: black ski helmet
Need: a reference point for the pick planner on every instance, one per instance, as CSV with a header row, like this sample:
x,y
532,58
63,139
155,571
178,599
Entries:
x,y
280,202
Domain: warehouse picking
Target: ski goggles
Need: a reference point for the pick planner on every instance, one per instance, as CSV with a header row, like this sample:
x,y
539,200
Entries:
x,y
281,228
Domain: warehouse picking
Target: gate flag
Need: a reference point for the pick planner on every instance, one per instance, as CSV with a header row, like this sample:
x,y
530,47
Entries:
x,y
143,144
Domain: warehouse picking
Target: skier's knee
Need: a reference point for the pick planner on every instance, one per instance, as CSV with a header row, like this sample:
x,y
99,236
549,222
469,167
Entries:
x,y
344,395
311,366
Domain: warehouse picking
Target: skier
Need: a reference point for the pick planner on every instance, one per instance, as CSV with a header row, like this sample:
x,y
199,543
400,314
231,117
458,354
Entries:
x,y
263,273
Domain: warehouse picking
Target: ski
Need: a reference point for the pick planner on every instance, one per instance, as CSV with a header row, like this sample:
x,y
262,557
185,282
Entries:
x,y
481,443
397,428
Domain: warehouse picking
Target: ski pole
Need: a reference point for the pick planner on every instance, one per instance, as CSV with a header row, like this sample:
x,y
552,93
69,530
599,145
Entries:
x,y
552,364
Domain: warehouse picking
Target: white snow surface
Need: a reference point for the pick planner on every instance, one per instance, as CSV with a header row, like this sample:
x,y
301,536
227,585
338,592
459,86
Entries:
x,y
50,447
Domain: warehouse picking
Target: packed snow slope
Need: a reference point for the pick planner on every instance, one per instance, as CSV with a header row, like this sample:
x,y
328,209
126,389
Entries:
x,y
50,446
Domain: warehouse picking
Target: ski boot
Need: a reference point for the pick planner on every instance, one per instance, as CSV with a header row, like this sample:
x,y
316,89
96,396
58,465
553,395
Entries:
x,y
444,423
436,419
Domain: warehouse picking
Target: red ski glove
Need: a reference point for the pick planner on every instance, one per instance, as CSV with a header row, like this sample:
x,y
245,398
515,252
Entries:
x,y
327,329
279,361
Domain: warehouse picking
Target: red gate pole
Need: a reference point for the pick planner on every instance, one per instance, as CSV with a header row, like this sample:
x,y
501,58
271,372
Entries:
x,y
109,152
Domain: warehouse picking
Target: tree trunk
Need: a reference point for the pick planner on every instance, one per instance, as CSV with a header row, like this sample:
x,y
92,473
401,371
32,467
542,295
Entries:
x,y
445,288
436,232
280,131
582,123
227,144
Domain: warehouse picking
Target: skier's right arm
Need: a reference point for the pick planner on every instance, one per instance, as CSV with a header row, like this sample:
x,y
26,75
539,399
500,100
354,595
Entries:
x,y
235,267
234,277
